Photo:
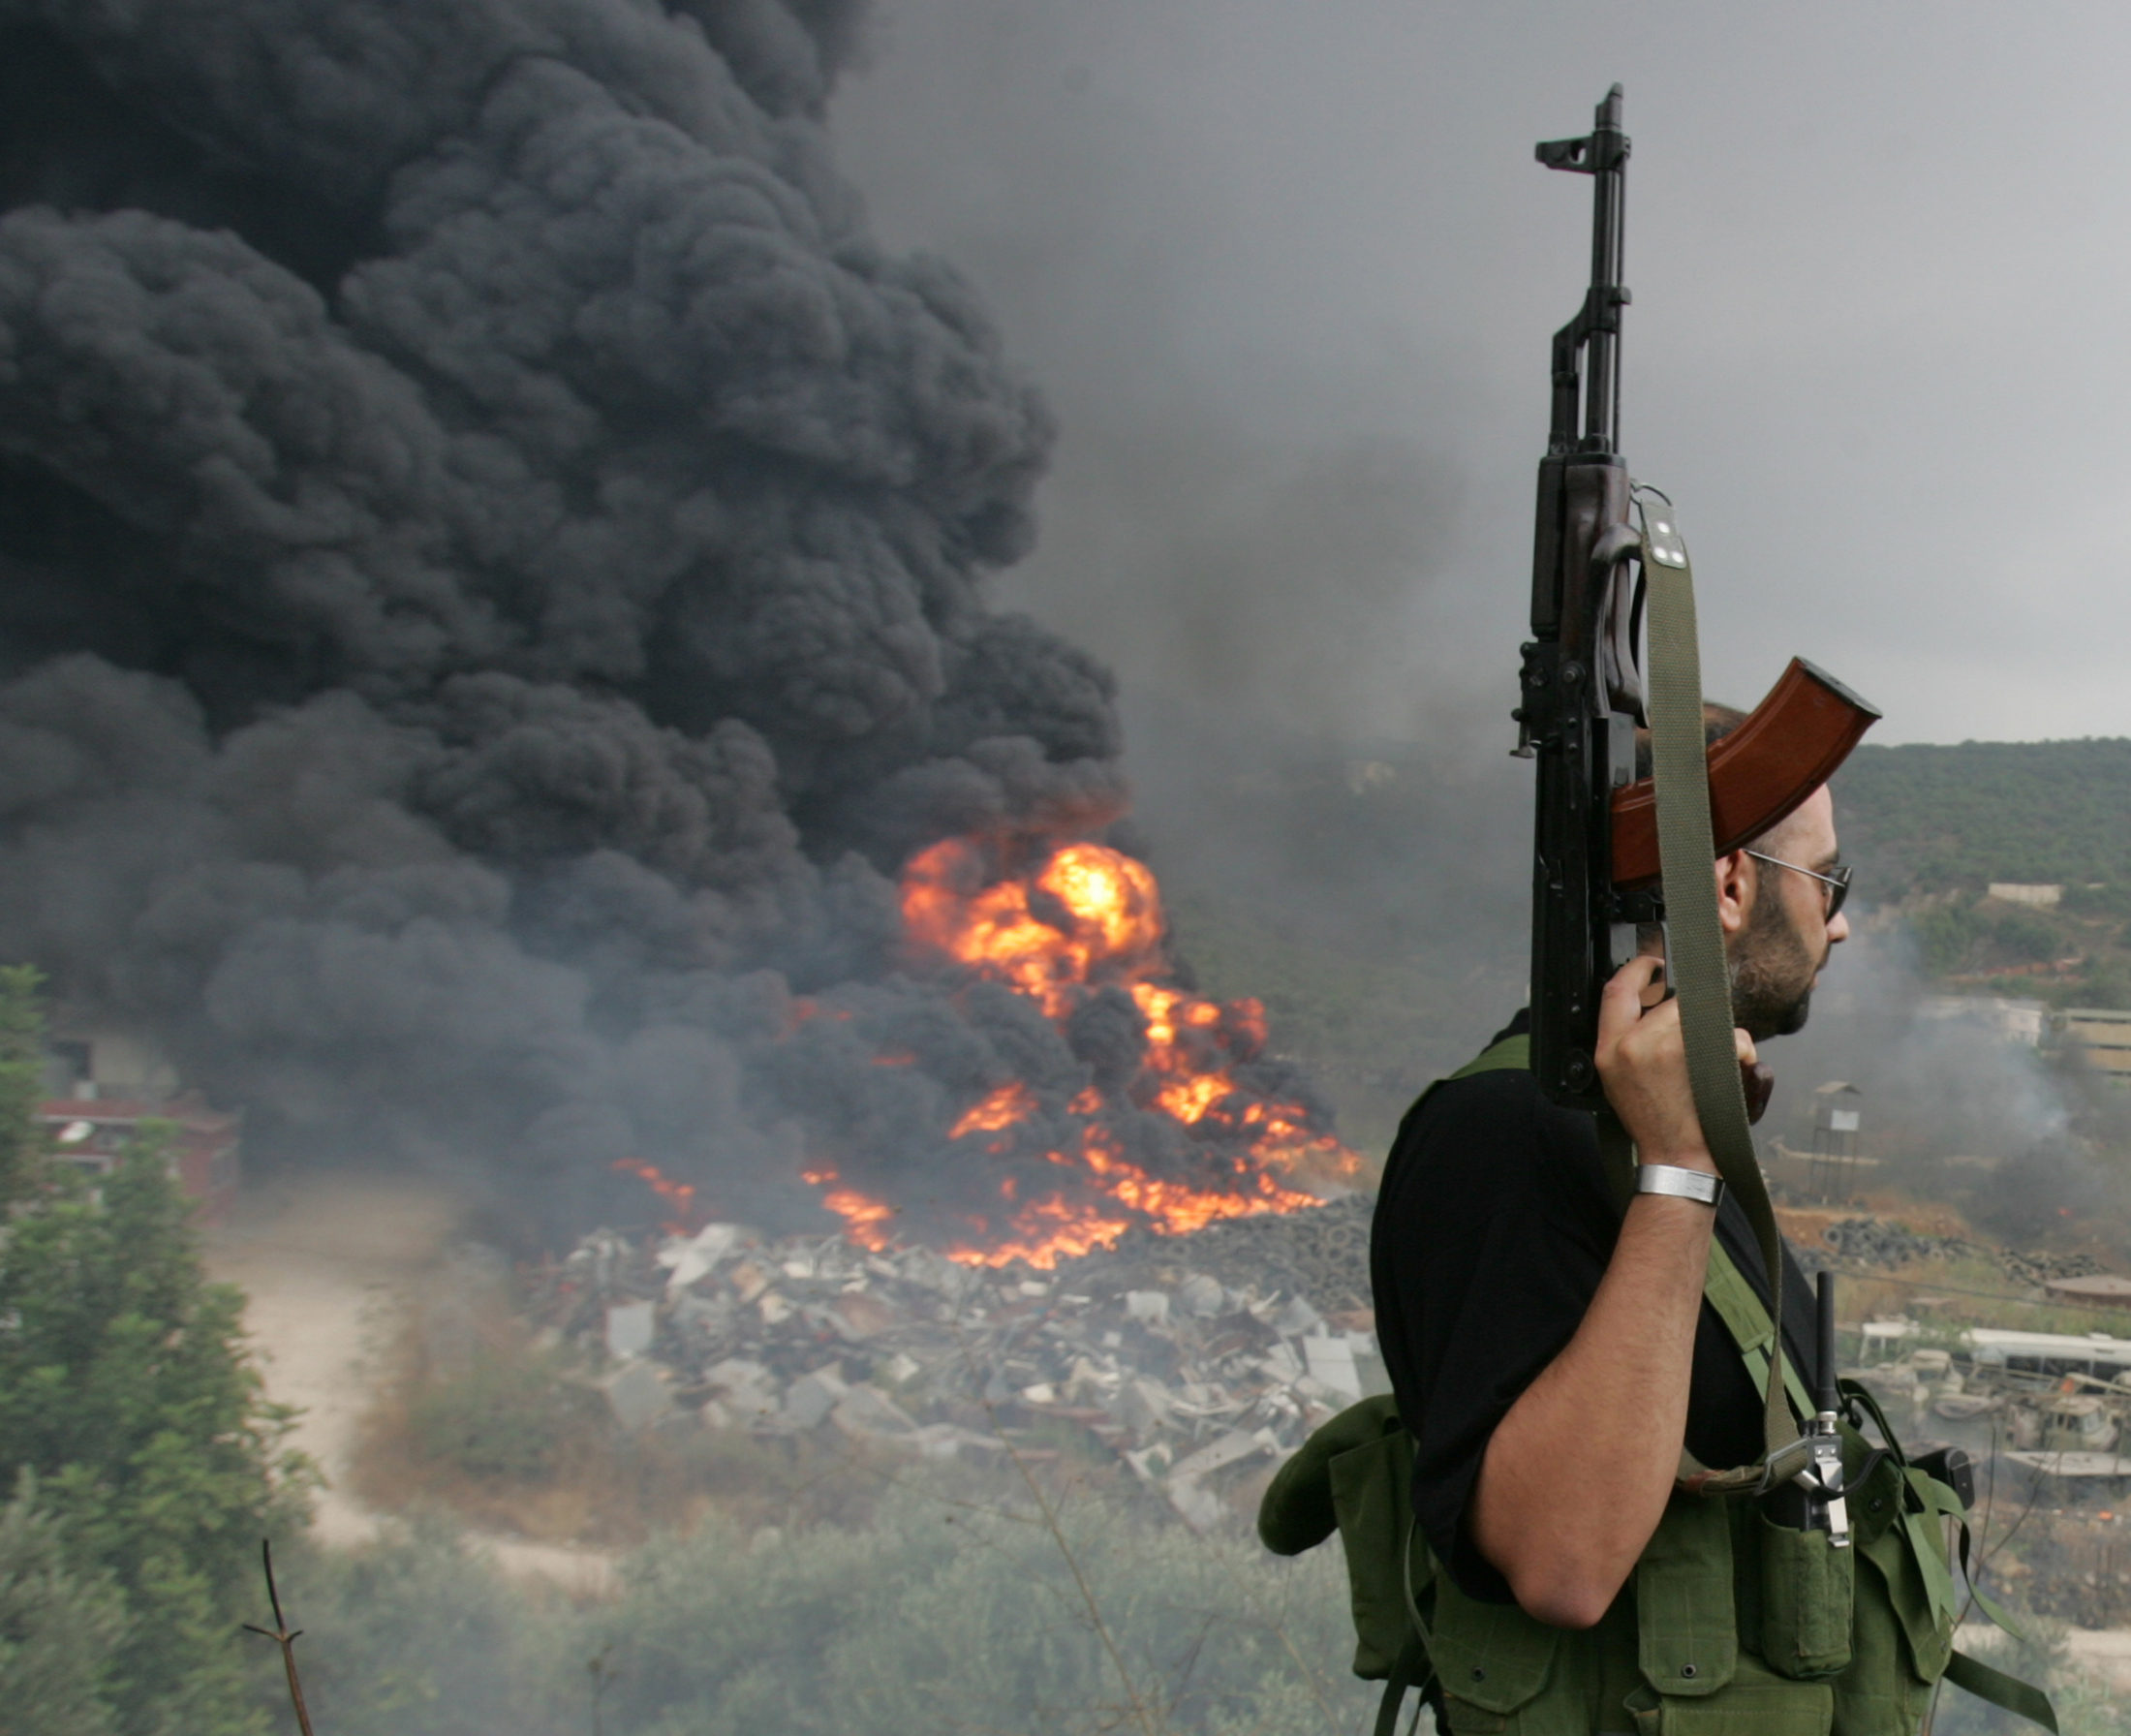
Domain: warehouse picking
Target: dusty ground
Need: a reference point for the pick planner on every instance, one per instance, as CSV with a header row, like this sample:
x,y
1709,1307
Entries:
x,y
2105,1651
327,1263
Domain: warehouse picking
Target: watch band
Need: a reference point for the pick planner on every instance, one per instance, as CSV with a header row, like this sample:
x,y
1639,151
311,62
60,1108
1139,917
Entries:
x,y
1680,1182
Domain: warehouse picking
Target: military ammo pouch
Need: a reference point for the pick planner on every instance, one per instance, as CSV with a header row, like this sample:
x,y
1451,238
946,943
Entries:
x,y
1733,1624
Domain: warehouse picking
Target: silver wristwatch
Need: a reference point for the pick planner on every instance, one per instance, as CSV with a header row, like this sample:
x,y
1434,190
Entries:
x,y
1681,1184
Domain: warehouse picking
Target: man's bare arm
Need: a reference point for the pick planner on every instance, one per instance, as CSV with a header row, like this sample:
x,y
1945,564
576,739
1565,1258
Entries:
x,y
1576,1477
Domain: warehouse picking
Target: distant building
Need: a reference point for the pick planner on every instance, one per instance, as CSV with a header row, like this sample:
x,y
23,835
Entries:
x,y
2102,1037
100,1086
84,1063
2044,898
205,1154
2014,1021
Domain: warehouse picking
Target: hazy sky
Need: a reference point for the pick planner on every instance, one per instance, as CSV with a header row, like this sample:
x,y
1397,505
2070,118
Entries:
x,y
1288,272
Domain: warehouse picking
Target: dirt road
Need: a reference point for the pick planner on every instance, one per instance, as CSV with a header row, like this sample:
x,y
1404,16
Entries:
x,y
327,1263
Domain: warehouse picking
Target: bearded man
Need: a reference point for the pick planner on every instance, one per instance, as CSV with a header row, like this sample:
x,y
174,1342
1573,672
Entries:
x,y
1551,1354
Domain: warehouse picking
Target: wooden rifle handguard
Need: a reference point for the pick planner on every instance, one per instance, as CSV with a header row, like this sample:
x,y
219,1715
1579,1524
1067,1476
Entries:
x,y
1759,774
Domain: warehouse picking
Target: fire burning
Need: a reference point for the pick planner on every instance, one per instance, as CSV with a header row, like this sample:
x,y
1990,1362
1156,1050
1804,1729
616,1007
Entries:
x,y
1193,1128
679,1197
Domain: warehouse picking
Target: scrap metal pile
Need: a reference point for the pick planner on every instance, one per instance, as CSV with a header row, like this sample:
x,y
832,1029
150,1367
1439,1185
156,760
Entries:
x,y
1201,1360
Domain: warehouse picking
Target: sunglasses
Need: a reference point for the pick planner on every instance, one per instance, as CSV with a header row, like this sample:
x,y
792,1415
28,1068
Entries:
x,y
1836,879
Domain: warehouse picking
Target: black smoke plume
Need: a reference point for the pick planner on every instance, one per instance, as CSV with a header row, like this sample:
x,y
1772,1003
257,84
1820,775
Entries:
x,y
492,563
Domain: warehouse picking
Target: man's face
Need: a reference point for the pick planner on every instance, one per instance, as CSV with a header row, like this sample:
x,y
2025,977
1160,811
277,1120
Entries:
x,y
1776,955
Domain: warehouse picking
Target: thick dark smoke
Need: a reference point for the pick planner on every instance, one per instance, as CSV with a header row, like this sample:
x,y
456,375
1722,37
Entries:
x,y
490,587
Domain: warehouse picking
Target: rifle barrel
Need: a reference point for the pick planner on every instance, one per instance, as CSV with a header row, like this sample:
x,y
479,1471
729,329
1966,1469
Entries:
x,y
1609,214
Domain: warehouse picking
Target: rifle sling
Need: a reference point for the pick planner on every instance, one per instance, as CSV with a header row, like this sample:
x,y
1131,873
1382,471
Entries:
x,y
1698,971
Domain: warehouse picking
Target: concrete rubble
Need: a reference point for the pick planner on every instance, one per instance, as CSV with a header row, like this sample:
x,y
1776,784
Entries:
x,y
1199,1362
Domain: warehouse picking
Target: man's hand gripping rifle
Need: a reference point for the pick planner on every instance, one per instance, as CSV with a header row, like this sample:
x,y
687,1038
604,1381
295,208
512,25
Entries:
x,y
1613,651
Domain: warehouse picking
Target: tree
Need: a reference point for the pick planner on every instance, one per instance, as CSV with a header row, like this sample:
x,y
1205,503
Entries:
x,y
125,1389
59,1625
21,1076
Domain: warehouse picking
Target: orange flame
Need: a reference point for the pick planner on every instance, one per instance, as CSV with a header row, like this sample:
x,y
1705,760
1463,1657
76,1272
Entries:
x,y
1005,1107
863,1218
680,1196
1112,906
1086,917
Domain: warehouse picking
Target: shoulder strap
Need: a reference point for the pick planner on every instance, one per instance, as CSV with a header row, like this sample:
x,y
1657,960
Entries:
x,y
1409,1672
2021,1698
1696,947
2008,1693
1511,1054
1747,1319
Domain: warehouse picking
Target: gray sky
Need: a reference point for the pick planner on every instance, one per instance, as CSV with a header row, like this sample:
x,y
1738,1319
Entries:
x,y
1289,273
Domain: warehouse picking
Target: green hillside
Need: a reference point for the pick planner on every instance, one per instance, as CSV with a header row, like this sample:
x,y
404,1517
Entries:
x,y
1930,819
1932,827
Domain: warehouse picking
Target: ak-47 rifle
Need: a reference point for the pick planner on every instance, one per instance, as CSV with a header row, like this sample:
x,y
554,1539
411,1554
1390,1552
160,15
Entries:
x,y
1586,693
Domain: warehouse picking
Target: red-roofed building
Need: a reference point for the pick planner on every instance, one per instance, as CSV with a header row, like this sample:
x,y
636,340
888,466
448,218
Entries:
x,y
102,1086
204,1155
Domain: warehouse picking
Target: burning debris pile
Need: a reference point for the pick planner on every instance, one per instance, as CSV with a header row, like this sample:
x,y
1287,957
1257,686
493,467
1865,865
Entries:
x,y
1321,1254
1137,1103
1171,1352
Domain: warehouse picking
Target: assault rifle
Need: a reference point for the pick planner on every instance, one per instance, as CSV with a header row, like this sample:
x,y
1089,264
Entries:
x,y
1584,686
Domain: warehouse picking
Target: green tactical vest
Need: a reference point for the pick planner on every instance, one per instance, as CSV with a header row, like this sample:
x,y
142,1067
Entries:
x,y
1730,1626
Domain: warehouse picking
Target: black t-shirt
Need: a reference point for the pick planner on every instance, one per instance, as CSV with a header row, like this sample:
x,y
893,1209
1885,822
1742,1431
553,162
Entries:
x,y
1494,1225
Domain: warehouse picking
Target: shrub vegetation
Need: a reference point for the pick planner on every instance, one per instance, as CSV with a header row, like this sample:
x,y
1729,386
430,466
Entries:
x,y
126,1394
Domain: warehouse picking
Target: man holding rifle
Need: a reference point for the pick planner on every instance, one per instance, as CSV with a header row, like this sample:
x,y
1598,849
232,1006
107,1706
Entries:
x,y
1610,1495
1551,1356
